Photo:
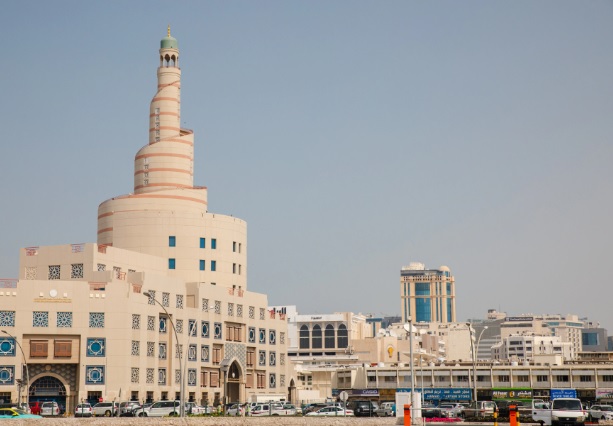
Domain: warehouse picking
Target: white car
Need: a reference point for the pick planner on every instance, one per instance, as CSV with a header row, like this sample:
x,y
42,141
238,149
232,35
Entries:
x,y
601,412
451,410
160,409
331,411
193,408
50,408
83,410
386,409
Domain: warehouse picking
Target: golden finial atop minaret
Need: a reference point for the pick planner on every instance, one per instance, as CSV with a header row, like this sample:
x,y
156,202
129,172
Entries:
x,y
169,31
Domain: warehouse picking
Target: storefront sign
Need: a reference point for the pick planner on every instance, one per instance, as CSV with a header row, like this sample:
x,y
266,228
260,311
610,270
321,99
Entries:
x,y
563,393
434,394
364,392
511,393
604,393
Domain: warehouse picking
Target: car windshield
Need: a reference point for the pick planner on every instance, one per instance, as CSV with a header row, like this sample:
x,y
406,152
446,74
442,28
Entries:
x,y
566,404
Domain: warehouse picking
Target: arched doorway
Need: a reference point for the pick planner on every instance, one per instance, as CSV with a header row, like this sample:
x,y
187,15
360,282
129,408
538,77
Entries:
x,y
291,392
234,383
48,388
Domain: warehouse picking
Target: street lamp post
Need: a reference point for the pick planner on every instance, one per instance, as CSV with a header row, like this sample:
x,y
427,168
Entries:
x,y
224,369
473,348
410,330
26,364
182,379
184,369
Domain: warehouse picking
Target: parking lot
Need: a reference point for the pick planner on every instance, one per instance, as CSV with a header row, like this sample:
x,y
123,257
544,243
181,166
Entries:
x,y
217,421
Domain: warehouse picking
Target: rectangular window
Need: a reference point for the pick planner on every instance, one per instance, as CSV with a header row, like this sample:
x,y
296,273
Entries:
x,y
171,263
202,265
250,357
172,241
214,379
38,348
542,378
239,247
216,355
239,269
234,268
562,378
234,246
213,265
202,242
213,243
62,348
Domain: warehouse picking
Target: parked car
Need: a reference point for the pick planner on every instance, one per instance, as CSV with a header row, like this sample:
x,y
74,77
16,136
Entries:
x,y
451,410
480,409
160,409
272,409
50,408
16,413
363,408
601,412
106,409
126,407
83,410
332,411
313,407
431,411
233,410
386,409
195,409
135,409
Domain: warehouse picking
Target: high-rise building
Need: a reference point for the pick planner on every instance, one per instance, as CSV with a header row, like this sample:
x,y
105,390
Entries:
x,y
158,305
427,295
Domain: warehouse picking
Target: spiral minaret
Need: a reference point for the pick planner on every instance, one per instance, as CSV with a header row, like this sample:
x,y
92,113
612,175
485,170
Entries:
x,y
165,203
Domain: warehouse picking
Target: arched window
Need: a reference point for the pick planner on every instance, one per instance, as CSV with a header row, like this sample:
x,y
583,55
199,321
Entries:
x,y
316,343
304,337
343,341
329,338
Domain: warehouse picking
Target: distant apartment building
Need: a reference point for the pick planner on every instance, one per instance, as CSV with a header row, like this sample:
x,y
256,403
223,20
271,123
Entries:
x,y
527,347
594,338
427,295
567,327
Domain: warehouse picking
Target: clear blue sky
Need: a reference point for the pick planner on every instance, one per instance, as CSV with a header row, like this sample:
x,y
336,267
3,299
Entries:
x,y
353,137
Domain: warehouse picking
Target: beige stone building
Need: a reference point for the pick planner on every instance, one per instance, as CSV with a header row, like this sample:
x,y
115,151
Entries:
x,y
163,290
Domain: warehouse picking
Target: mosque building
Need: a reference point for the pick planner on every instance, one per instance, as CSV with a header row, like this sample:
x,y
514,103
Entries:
x,y
160,297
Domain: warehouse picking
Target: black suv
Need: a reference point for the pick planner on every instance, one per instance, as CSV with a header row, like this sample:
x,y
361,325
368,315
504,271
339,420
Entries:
x,y
363,408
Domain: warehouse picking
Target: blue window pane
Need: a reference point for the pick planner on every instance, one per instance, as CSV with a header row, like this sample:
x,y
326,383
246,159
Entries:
x,y
202,265
213,243
171,264
213,265
202,242
172,241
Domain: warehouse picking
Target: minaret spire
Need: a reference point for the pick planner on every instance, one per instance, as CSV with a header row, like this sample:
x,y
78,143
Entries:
x,y
168,31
